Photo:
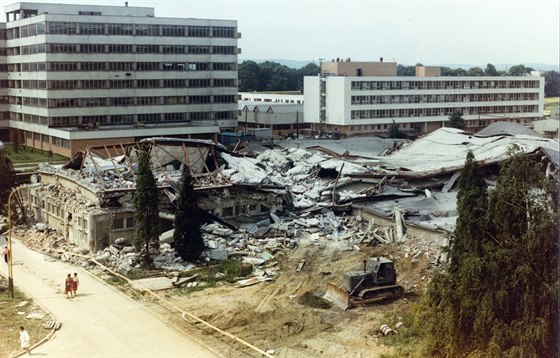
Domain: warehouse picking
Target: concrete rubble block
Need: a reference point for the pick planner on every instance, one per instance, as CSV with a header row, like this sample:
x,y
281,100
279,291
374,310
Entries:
x,y
254,248
121,241
113,249
222,231
41,227
127,249
253,260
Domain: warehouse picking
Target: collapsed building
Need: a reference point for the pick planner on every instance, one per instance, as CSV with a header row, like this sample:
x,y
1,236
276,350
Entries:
x,y
297,186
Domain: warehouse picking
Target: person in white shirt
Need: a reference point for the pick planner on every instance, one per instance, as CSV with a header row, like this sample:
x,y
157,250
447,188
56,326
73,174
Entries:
x,y
24,339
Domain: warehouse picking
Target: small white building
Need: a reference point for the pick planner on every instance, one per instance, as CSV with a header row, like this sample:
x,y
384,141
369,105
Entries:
x,y
548,128
282,118
270,97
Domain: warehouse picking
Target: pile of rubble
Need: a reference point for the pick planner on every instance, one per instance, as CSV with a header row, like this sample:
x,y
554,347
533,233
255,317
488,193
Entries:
x,y
256,244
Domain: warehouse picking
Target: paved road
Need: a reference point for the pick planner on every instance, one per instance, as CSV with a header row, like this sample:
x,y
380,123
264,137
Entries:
x,y
100,321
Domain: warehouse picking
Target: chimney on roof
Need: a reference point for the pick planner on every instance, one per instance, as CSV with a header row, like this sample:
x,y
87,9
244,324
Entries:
x,y
126,3
380,59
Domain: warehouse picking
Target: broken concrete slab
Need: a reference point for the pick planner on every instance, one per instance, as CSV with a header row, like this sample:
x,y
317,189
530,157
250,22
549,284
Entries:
x,y
152,284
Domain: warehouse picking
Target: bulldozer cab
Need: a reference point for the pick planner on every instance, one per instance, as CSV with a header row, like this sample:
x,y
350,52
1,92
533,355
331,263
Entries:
x,y
383,270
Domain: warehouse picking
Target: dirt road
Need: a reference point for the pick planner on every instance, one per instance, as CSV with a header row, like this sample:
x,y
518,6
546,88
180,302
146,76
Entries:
x,y
100,321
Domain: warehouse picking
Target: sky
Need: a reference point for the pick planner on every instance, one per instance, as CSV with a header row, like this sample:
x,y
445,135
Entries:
x,y
405,31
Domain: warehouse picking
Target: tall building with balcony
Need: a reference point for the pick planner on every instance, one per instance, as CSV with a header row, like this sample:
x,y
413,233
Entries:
x,y
81,75
358,98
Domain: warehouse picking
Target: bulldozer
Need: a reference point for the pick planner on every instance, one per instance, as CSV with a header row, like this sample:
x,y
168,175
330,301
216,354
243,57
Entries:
x,y
375,284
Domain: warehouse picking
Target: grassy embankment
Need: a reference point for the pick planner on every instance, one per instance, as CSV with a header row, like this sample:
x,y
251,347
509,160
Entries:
x,y
12,315
549,103
30,155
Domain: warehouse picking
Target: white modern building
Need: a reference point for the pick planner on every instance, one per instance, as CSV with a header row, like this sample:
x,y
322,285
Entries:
x,y
271,97
80,75
356,102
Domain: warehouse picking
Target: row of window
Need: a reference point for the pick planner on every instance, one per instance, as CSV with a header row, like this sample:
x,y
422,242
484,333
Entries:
x,y
120,101
473,97
123,223
451,84
417,126
120,48
119,84
90,28
43,138
119,119
432,112
120,66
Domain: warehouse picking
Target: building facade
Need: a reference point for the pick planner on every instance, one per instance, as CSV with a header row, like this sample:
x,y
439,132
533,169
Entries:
x,y
80,75
4,99
355,104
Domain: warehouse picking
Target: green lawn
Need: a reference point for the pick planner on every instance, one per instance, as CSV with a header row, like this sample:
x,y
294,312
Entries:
x,y
551,102
29,155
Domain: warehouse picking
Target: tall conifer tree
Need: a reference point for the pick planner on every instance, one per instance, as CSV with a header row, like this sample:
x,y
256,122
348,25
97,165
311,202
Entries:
x,y
187,237
146,204
499,296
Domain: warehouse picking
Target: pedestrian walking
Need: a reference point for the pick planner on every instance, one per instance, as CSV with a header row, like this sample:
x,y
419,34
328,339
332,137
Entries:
x,y
68,286
75,282
6,254
24,339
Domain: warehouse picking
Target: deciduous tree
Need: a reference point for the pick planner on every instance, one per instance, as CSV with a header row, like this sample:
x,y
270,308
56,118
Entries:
x,y
519,70
490,70
551,84
475,71
456,120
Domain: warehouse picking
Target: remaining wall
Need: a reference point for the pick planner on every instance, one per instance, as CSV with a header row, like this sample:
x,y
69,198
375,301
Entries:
x,y
428,71
439,238
360,68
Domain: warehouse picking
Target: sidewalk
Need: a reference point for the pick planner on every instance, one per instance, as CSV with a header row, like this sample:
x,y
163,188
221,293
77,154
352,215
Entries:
x,y
100,321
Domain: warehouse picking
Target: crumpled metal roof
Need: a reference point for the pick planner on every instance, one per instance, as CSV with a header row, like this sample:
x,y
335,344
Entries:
x,y
506,128
445,150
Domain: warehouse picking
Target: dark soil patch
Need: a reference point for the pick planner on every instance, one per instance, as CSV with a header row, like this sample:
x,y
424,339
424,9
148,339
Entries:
x,y
311,300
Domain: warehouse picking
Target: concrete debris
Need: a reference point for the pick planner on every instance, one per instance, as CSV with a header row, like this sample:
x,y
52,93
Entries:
x,y
35,315
54,325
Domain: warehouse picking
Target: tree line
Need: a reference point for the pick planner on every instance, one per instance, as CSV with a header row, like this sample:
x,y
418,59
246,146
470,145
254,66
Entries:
x,y
272,76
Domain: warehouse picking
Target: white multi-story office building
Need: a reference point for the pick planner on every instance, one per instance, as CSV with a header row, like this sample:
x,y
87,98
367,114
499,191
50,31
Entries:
x,y
355,102
80,75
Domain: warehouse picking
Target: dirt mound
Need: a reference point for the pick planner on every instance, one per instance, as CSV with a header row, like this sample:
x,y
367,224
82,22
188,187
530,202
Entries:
x,y
312,300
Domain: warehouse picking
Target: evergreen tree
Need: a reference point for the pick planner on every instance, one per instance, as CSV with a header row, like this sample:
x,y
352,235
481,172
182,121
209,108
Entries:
x,y
454,295
394,131
499,296
187,237
146,204
7,180
520,299
456,120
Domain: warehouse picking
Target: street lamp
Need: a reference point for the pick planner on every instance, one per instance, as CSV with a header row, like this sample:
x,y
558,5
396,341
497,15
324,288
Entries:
x,y
10,263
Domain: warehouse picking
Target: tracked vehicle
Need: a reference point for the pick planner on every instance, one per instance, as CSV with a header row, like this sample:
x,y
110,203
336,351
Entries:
x,y
374,284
